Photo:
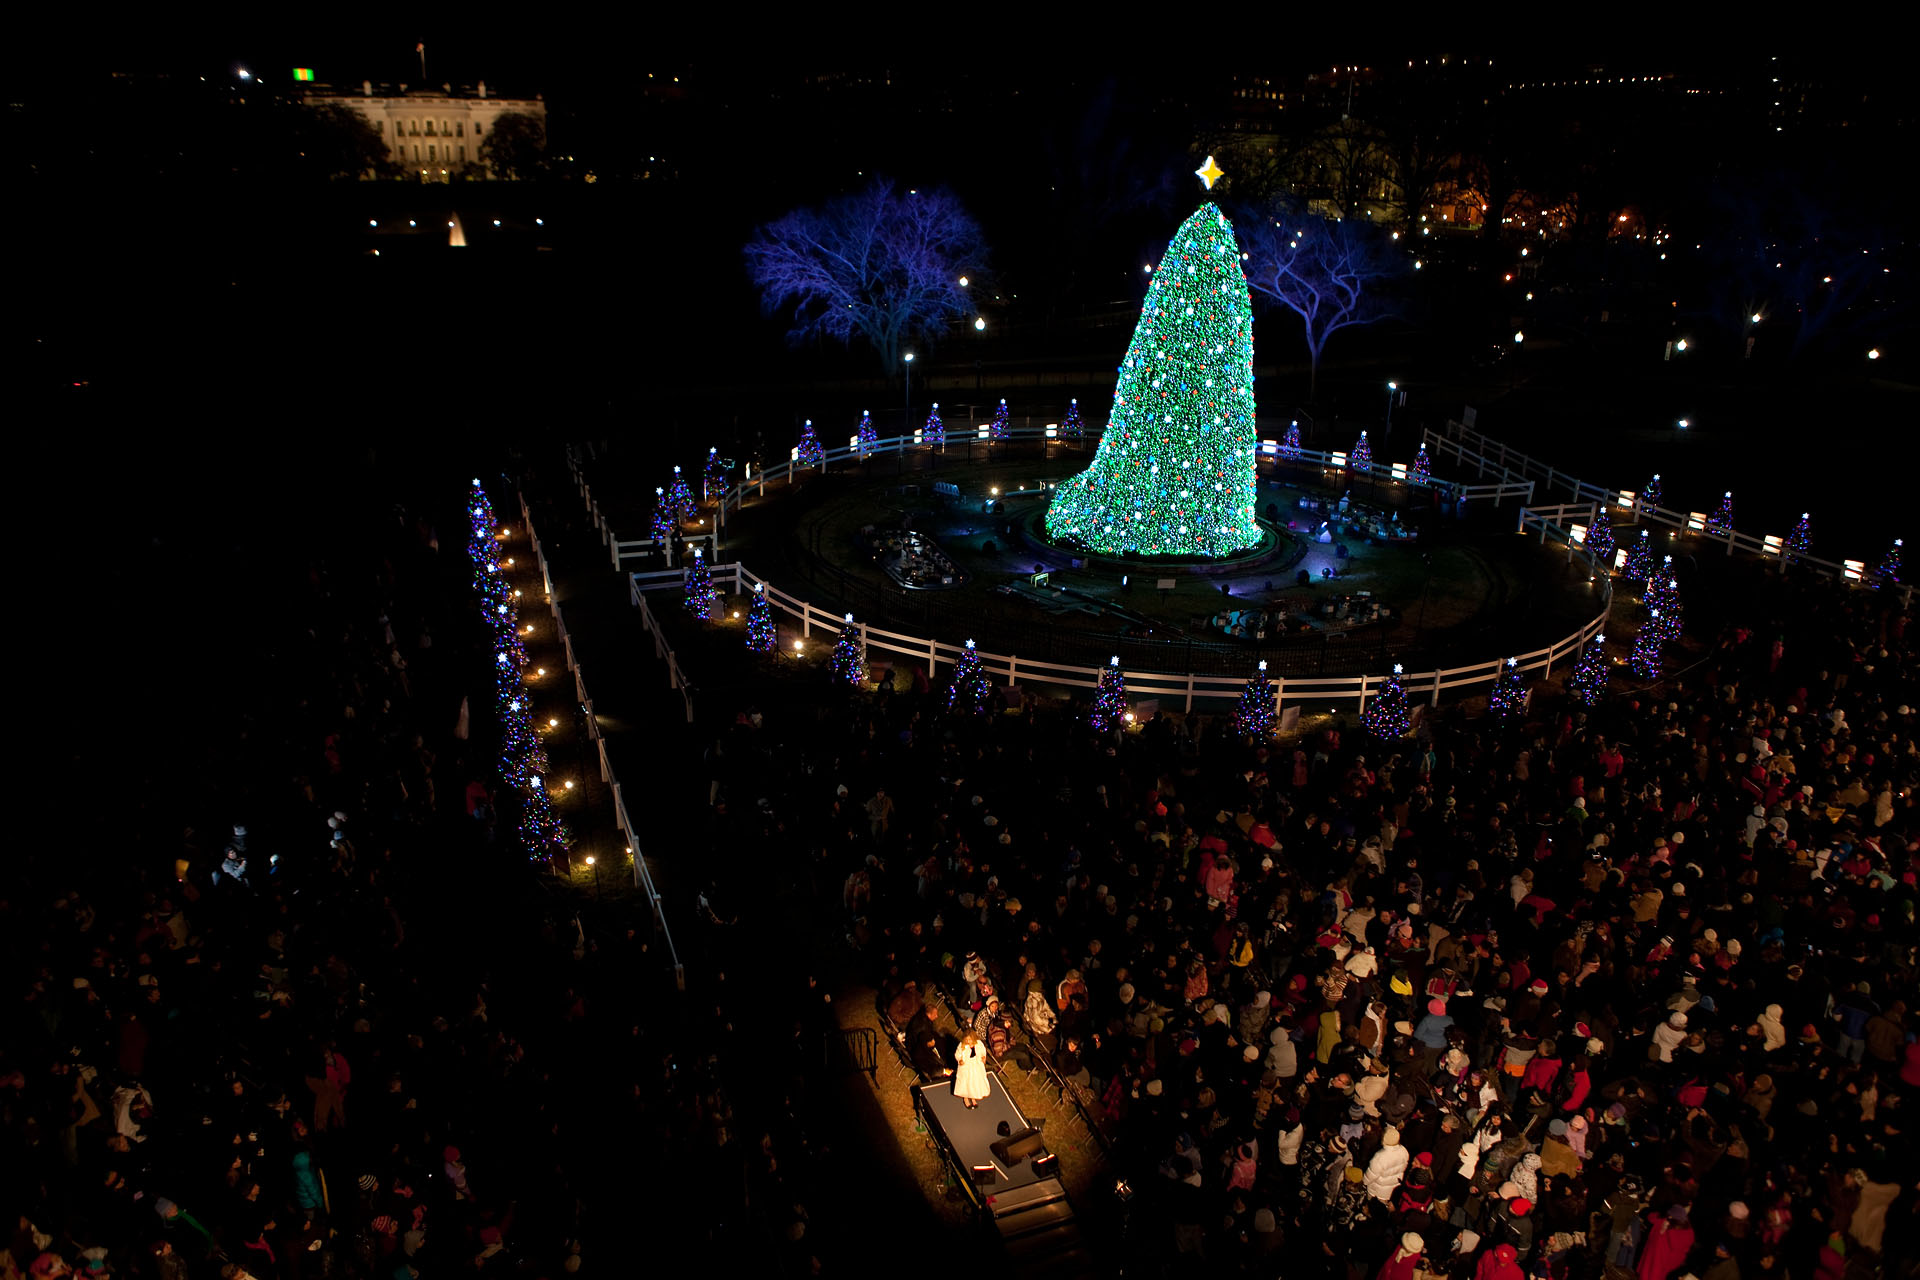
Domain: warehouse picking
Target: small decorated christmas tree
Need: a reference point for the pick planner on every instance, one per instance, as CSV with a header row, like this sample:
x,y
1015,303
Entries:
x,y
1386,716
1645,660
1361,459
1802,536
1600,539
935,432
1720,523
849,657
1589,680
713,479
1651,497
662,525
864,436
1509,696
542,834
1109,707
680,498
1639,566
1071,427
971,691
699,580
810,454
1663,601
1889,570
761,636
1002,425
1290,447
1422,465
1254,716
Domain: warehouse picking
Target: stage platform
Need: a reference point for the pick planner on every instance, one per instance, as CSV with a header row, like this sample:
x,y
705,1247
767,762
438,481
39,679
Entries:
x,y
1027,1205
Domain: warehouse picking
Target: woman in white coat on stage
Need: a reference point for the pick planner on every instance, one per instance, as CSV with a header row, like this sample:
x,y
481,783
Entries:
x,y
970,1070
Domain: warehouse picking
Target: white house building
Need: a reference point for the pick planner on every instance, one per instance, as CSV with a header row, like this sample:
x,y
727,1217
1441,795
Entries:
x,y
434,134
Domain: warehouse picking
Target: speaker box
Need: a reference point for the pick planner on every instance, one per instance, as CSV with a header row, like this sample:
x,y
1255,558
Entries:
x,y
1014,1148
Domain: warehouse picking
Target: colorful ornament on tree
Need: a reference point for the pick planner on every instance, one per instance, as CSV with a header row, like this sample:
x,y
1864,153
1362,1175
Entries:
x,y
1639,566
1361,459
1889,570
680,498
1802,536
699,582
1720,523
864,436
1290,447
662,525
1109,709
1509,696
1387,716
1645,660
761,635
971,690
1254,716
1001,427
713,480
1071,427
1589,680
1600,539
848,660
1651,498
809,452
1663,601
1174,473
1422,465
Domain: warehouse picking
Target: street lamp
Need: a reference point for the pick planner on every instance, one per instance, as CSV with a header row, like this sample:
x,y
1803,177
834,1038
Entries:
x,y
979,323
1519,336
1685,423
1392,389
591,862
906,388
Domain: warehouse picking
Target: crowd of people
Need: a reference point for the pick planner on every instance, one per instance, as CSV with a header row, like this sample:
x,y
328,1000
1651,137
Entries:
x,y
1608,991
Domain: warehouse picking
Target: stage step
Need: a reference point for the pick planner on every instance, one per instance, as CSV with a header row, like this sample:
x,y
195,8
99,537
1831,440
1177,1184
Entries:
x,y
1016,1200
1057,1254
1040,1217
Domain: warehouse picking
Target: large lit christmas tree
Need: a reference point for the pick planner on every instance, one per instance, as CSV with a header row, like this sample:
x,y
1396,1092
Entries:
x,y
1651,497
1889,569
849,657
1589,680
1802,536
713,480
1174,471
864,436
1254,716
971,690
761,636
810,452
1361,459
1290,447
1639,566
662,526
1071,427
1109,707
1387,716
1422,465
699,582
680,498
1509,696
1720,523
935,432
1645,660
1001,427
1600,539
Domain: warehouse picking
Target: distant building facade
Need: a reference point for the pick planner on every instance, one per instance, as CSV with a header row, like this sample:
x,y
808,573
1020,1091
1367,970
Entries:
x,y
434,135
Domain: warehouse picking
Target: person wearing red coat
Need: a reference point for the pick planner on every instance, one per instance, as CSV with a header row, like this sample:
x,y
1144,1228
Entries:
x,y
1402,1261
1669,1241
1501,1264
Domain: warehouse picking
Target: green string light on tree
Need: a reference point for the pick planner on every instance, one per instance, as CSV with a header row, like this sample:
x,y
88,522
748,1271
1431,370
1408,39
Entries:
x,y
699,582
1071,427
1589,680
761,635
1290,447
1254,716
1174,473
1387,716
1422,465
713,480
1109,709
864,436
1720,523
935,432
1802,536
1361,459
680,498
1001,425
1639,566
661,526
1889,570
1509,696
1651,497
848,660
971,690
1645,660
1600,539
809,452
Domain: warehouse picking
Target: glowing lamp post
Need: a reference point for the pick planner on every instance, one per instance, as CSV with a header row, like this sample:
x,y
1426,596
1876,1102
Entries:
x,y
906,387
